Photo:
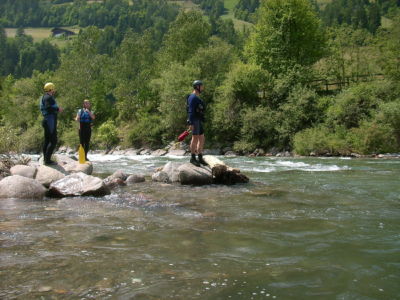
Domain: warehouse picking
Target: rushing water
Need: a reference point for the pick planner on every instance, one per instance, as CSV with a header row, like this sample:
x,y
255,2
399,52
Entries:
x,y
303,228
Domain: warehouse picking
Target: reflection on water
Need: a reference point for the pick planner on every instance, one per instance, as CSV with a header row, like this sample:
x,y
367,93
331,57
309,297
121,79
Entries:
x,y
303,228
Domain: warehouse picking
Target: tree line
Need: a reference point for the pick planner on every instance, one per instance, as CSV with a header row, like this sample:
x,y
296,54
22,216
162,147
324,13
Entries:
x,y
258,90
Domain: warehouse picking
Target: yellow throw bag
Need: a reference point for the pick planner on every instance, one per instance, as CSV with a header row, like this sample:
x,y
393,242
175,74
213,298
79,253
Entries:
x,y
81,153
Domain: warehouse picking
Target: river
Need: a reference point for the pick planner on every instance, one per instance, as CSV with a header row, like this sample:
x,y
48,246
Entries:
x,y
303,228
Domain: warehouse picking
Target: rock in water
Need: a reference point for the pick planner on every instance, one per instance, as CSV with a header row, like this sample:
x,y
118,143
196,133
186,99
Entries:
x,y
21,187
46,175
23,170
135,179
78,184
190,174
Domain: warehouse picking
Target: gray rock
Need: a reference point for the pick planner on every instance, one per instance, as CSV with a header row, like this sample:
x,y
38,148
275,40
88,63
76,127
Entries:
x,y
116,179
159,152
160,176
135,179
177,152
21,187
23,170
119,174
230,153
63,159
172,170
190,174
78,184
46,175
131,152
76,167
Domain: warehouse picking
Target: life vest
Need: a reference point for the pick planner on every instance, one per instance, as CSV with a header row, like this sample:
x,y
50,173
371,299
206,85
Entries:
x,y
84,117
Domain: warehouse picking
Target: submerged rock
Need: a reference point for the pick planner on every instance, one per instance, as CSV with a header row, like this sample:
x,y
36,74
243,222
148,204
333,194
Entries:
x,y
21,187
79,184
135,179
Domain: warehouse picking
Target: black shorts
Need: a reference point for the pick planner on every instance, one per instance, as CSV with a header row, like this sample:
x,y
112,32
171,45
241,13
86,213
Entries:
x,y
197,127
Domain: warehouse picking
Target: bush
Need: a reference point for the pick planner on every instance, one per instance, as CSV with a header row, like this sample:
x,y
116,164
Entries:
x,y
372,138
107,135
9,141
258,129
32,139
146,132
320,140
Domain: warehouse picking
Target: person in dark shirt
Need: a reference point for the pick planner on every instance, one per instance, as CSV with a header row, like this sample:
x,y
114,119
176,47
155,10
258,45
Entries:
x,y
49,109
85,118
196,110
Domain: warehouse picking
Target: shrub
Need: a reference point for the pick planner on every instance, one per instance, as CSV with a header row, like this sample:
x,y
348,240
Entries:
x,y
9,139
146,132
32,139
372,137
320,140
258,129
106,135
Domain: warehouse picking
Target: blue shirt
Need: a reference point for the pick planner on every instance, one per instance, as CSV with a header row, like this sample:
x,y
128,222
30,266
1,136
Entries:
x,y
196,108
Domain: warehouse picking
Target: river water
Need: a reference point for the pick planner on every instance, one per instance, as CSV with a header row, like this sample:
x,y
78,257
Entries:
x,y
303,228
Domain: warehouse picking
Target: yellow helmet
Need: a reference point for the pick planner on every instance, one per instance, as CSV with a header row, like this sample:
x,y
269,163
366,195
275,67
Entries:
x,y
49,87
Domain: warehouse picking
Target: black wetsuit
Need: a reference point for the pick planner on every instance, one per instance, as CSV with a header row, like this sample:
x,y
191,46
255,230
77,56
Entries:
x,y
85,130
49,109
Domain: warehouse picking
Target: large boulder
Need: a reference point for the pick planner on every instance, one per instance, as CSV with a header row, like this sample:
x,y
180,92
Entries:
x,y
17,186
185,173
78,184
190,174
23,170
46,175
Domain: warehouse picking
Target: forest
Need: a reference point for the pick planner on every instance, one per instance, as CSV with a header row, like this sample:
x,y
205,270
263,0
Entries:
x,y
312,77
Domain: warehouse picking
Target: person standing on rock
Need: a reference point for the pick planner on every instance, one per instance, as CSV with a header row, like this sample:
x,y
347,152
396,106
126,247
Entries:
x,y
196,110
85,118
50,110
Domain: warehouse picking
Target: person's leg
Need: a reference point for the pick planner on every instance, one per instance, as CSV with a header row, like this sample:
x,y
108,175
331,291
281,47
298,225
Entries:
x,y
193,147
86,141
52,122
46,140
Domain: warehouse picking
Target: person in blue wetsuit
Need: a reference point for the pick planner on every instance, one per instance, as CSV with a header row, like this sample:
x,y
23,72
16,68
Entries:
x,y
50,110
85,118
196,110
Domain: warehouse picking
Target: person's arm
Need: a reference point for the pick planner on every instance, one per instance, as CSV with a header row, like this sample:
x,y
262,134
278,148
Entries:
x,y
78,116
91,115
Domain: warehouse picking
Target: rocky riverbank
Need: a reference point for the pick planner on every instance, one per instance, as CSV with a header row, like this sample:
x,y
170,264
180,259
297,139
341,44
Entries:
x,y
22,178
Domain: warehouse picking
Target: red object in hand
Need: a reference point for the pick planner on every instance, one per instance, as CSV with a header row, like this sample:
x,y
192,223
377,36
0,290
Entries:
x,y
183,135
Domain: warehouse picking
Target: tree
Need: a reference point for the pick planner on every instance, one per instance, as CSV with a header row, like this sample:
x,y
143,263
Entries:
x,y
186,34
287,33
